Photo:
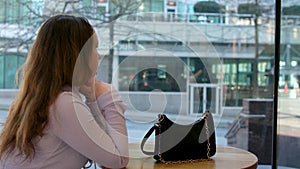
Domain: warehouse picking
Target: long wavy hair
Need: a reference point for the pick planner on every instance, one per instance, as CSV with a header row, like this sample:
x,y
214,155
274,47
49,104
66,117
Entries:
x,y
49,66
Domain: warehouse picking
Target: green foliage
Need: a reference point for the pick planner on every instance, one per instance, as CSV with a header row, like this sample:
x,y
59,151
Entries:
x,y
208,7
291,10
249,8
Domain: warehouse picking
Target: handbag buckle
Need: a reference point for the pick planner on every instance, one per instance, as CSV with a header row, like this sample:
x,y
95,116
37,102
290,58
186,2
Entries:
x,y
205,114
160,119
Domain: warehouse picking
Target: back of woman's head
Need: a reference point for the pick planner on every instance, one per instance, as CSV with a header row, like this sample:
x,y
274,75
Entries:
x,y
58,45
49,66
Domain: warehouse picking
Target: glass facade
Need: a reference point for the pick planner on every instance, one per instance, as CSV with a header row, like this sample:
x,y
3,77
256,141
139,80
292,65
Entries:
x,y
152,6
10,11
20,11
2,80
238,78
149,73
94,9
16,15
9,64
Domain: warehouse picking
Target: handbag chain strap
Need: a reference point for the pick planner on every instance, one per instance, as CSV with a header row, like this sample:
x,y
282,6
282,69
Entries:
x,y
205,115
208,142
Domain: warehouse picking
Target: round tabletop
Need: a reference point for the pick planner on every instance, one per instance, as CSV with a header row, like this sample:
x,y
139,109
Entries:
x,y
225,157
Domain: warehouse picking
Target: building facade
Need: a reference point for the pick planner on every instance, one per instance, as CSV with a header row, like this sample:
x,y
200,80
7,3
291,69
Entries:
x,y
164,51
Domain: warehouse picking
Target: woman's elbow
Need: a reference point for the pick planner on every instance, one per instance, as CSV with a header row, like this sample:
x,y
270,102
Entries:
x,y
119,163
124,162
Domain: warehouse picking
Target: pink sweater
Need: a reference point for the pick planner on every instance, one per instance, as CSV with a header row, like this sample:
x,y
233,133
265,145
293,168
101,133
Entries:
x,y
77,132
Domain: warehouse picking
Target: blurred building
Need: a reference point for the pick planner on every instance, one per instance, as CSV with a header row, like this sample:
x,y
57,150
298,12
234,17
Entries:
x,y
165,54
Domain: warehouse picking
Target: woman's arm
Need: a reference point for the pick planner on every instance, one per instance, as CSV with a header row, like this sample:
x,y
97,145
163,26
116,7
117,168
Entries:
x,y
113,108
75,124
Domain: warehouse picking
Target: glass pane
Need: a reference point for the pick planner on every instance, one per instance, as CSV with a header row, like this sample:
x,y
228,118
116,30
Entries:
x,y
11,66
2,11
248,79
288,91
157,5
241,37
2,72
245,46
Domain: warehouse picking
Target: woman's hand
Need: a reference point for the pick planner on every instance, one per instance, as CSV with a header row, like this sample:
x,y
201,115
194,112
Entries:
x,y
88,90
102,87
93,89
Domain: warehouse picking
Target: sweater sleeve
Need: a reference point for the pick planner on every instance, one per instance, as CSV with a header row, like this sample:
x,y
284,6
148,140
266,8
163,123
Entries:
x,y
97,115
113,108
80,126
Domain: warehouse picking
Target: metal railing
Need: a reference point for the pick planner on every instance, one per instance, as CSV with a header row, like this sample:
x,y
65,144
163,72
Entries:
x,y
210,18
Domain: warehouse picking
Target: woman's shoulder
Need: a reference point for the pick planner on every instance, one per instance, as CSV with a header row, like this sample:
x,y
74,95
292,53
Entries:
x,y
68,93
65,106
66,100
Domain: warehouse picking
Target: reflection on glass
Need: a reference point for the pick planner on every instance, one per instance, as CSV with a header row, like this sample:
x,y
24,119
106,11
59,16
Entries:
x,y
149,74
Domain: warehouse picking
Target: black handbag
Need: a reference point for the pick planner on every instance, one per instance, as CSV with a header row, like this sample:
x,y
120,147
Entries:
x,y
180,143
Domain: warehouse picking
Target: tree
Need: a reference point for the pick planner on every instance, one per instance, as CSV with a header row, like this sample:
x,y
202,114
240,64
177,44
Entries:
x,y
100,13
249,8
208,7
291,10
255,10
117,9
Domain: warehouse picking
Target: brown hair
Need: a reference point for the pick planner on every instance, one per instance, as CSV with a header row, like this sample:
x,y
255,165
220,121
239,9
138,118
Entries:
x,y
49,66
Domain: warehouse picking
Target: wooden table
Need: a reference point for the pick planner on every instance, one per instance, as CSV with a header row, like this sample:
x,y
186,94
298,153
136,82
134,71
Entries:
x,y
225,157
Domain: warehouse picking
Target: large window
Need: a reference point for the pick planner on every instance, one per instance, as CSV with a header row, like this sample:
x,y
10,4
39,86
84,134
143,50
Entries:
x,y
244,43
17,11
2,80
9,65
238,80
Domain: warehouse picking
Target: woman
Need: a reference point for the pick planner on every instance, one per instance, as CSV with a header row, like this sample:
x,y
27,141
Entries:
x,y
49,126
